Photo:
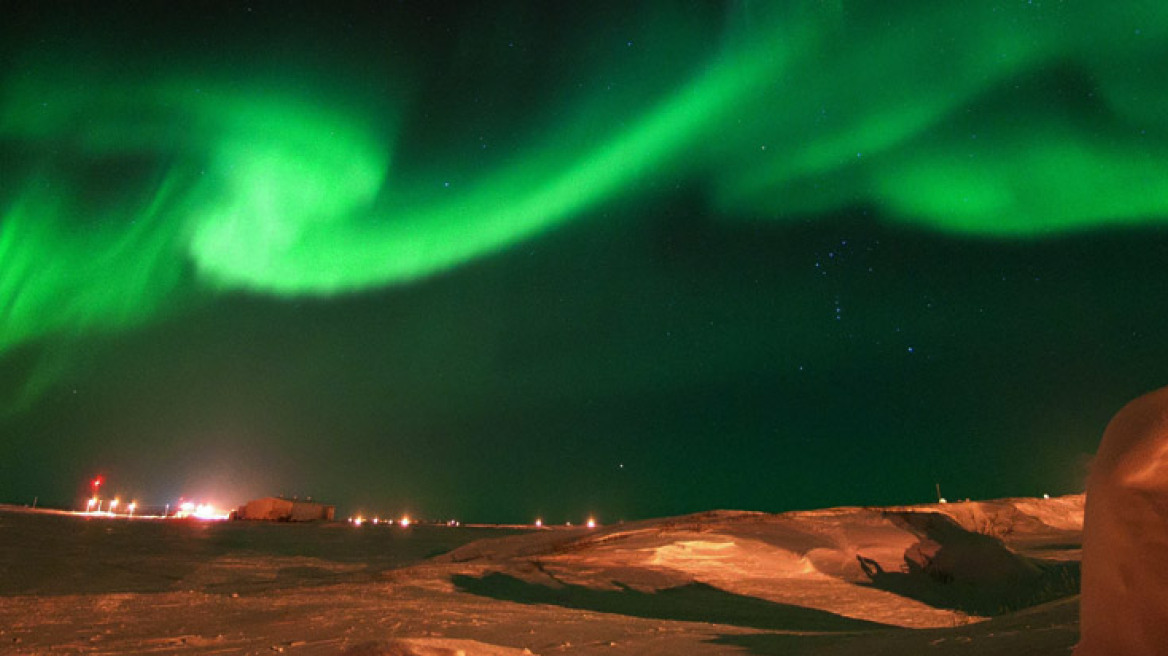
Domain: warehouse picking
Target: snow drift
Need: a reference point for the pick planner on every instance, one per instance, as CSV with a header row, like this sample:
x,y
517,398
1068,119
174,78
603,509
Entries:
x,y
1124,608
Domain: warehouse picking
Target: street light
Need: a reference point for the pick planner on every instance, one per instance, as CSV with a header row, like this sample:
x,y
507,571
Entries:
x,y
133,505
113,506
95,500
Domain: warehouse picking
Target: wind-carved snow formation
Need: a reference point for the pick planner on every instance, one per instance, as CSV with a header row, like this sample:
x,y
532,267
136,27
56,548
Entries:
x,y
1125,535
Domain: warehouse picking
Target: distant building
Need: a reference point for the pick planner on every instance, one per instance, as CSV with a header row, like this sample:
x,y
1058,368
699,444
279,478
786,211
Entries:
x,y
277,509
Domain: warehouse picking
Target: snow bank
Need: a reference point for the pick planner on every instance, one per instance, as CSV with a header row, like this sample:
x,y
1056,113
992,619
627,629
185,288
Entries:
x,y
1124,608
730,559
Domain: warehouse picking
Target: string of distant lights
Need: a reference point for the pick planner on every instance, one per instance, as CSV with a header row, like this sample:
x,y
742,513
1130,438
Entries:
x,y
96,506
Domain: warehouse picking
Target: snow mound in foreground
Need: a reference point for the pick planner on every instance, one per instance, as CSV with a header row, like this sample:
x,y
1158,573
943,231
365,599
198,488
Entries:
x,y
915,566
1125,572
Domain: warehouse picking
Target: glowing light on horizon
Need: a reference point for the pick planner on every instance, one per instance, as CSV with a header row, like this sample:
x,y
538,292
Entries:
x,y
591,522
538,523
191,510
207,511
404,521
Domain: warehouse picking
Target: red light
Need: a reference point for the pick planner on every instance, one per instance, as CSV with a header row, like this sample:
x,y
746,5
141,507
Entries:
x,y
97,481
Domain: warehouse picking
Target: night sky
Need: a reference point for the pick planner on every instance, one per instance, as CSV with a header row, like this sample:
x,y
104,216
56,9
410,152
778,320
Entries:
x,y
524,259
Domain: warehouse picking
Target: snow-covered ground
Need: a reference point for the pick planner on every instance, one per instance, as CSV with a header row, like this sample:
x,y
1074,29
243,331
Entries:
x,y
995,577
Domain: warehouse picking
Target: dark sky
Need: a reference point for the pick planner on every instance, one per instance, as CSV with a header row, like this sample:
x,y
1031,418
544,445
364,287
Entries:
x,y
554,259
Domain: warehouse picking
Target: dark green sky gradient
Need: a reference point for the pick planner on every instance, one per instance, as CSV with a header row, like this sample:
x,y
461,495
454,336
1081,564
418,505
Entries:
x,y
618,273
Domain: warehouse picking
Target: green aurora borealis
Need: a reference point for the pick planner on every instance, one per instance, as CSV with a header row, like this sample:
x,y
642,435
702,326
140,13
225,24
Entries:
x,y
659,253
